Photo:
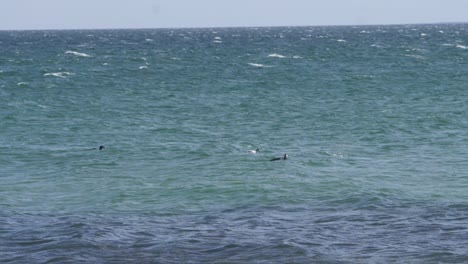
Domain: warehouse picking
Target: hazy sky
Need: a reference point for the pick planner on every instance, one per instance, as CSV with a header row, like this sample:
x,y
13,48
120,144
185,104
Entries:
x,y
79,14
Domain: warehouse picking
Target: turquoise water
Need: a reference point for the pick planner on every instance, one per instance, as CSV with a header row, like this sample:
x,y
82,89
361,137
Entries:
x,y
374,120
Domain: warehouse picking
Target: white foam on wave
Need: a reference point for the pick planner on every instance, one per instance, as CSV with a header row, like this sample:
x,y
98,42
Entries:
x,y
143,67
341,40
217,40
258,65
274,55
59,74
77,53
419,57
461,46
297,57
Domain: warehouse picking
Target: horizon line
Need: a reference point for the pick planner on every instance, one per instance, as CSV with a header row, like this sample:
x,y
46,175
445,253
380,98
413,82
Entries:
x,y
218,27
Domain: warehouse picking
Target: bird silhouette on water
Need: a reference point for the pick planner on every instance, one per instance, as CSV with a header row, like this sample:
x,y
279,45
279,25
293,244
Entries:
x,y
285,157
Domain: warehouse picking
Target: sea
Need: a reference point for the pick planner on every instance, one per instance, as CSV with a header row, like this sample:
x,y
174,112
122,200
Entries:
x,y
374,120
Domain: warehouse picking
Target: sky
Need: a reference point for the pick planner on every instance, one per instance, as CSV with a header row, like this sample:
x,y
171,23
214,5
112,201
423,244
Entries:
x,y
103,14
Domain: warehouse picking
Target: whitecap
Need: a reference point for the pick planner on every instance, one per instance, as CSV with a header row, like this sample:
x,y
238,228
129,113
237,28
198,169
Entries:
x,y
22,84
143,67
58,74
77,53
258,65
274,55
423,34
419,57
461,46
217,41
217,38
297,57
341,40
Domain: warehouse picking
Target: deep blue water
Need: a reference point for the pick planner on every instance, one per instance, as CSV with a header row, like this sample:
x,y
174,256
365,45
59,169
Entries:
x,y
373,118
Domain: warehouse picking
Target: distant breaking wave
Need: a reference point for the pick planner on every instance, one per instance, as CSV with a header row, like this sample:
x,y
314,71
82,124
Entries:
x,y
58,74
77,53
274,55
461,46
258,65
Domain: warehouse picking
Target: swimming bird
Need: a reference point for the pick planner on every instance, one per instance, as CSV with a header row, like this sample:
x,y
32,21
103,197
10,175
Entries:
x,y
254,151
285,157
100,148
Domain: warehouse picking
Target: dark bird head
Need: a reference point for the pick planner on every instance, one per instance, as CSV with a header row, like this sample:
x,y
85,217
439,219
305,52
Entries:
x,y
285,156
101,147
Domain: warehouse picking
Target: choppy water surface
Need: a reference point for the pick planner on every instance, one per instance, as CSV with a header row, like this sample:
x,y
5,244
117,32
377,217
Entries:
x,y
374,120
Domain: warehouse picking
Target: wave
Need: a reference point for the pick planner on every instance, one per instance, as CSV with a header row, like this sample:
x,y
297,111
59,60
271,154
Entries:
x,y
415,56
258,65
274,55
59,74
461,46
341,40
77,53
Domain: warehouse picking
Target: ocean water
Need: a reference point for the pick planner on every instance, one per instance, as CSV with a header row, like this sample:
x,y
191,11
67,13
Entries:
x,y
374,120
